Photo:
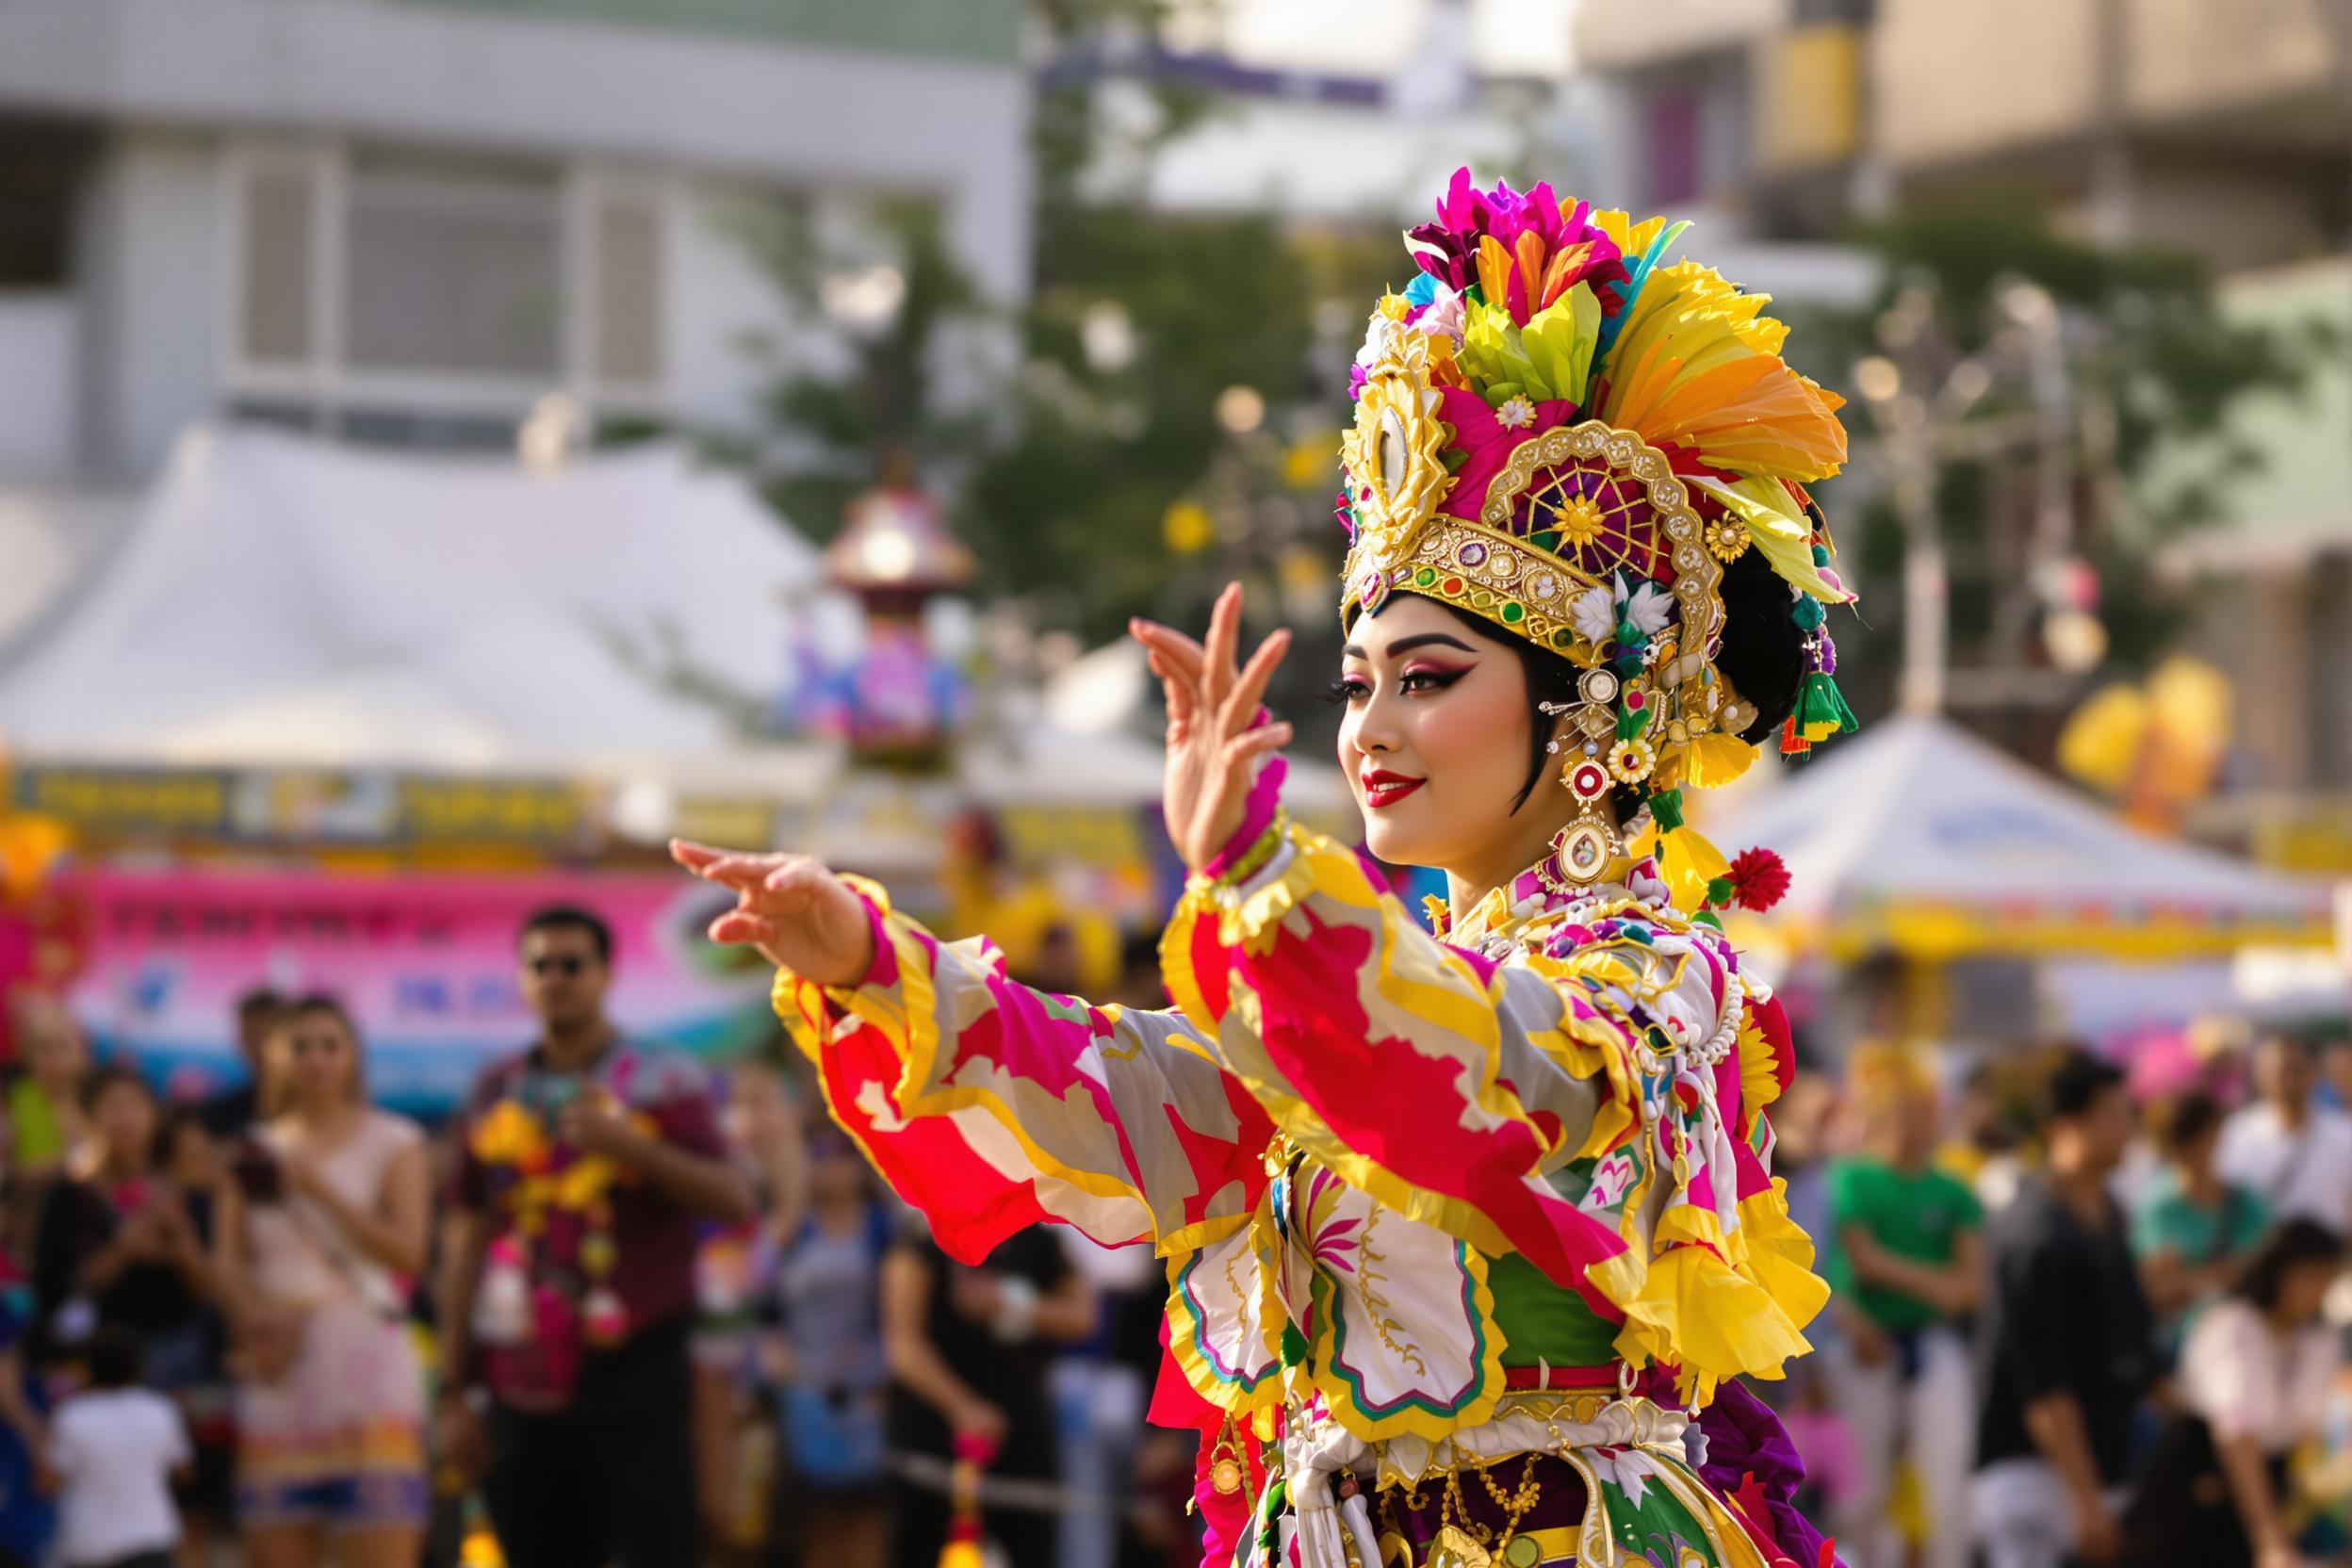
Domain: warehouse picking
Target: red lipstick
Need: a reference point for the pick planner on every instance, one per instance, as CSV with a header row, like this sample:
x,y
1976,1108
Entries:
x,y
1382,787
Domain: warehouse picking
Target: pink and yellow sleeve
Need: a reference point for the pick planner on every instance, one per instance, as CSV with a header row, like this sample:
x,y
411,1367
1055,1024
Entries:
x,y
992,1106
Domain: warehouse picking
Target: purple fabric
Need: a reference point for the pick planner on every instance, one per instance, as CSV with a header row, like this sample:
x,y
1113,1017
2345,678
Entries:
x,y
1744,1438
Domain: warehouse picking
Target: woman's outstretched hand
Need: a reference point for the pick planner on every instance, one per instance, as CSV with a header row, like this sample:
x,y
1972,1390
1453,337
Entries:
x,y
1213,737
791,908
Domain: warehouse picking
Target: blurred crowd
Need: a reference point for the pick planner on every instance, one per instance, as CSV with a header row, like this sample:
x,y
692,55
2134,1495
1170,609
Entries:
x,y
624,1307
2078,1316
619,1307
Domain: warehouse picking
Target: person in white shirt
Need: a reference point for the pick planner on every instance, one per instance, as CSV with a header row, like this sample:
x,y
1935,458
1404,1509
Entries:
x,y
2256,1377
2287,1148
112,1452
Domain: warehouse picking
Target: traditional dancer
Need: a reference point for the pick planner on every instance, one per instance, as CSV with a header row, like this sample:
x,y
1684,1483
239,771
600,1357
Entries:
x,y
1468,1234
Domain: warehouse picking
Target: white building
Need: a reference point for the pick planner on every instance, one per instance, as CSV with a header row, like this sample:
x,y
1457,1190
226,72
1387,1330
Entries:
x,y
406,220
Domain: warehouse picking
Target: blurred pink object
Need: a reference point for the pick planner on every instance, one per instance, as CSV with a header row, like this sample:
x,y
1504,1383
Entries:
x,y
2160,1065
1827,1448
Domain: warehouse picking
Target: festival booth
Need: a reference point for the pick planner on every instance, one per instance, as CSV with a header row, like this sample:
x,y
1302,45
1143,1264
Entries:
x,y
1918,851
329,719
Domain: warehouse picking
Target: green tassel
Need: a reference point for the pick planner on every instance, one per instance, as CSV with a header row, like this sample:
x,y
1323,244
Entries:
x,y
1719,891
1666,808
1822,710
1807,612
1821,555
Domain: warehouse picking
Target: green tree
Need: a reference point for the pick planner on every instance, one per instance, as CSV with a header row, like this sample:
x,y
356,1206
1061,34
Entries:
x,y
2149,365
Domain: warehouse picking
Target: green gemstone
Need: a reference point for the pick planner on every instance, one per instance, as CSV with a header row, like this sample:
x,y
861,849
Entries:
x,y
1481,598
1514,612
1426,576
1565,637
1523,1552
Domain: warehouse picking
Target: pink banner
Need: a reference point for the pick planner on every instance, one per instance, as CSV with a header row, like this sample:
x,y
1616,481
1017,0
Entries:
x,y
425,963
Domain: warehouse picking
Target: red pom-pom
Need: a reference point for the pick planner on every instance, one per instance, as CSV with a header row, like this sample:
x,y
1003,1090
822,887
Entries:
x,y
1758,880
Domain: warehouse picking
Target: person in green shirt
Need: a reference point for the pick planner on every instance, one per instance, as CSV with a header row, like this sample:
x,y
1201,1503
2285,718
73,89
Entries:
x,y
1906,1263
2195,1229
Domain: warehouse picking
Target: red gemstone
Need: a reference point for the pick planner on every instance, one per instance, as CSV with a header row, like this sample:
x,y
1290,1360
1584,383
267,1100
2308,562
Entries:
x,y
1451,585
1635,700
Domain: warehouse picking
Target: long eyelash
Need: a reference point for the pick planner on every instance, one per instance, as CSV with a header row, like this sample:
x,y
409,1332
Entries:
x,y
1336,692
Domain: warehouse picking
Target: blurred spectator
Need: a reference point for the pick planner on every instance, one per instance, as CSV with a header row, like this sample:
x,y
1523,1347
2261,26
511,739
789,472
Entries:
x,y
2256,1378
190,1367
765,1145
27,1516
969,1350
232,1114
828,1285
45,1105
2293,1152
587,1164
1907,1258
113,1450
2194,1231
327,1216
2070,1340
122,1246
2335,1075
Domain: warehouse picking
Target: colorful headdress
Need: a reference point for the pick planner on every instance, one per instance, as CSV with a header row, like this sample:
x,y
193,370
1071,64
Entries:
x,y
1560,432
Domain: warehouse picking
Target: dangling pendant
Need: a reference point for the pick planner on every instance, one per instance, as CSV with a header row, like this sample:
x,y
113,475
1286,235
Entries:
x,y
603,1317
1454,1548
1225,1475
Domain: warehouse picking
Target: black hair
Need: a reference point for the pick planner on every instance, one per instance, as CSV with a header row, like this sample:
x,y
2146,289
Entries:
x,y
113,1075
2185,1121
260,999
571,917
2076,1084
2292,1244
111,1358
1762,656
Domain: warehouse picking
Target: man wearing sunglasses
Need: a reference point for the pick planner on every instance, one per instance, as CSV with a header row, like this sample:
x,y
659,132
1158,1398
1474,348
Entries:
x,y
567,1302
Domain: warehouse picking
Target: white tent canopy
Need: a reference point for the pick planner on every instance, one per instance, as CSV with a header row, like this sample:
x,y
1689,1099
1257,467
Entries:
x,y
1918,815
281,600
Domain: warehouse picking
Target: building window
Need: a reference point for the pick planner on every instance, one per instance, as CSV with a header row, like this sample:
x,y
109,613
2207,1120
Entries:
x,y
400,296
454,269
1671,135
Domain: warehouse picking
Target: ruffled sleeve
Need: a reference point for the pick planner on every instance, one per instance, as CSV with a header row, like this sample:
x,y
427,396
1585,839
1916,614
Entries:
x,y
992,1106
1582,1105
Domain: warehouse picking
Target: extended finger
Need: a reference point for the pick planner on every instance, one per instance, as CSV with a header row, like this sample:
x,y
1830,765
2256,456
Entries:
x,y
1241,705
1171,644
1178,694
739,926
1270,737
1216,669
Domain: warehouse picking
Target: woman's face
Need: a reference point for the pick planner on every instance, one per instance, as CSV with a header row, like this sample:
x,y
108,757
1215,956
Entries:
x,y
320,1058
1435,738
193,1162
124,1117
2303,1289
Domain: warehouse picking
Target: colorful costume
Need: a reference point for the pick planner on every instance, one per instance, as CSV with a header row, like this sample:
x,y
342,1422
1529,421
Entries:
x,y
1466,1233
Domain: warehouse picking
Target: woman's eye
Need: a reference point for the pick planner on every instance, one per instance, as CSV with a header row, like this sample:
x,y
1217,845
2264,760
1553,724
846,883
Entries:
x,y
1347,689
1427,680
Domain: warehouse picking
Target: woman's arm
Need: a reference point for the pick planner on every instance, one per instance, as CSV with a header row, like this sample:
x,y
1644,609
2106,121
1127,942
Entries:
x,y
915,1362
987,1104
395,1230
232,1258
2246,1469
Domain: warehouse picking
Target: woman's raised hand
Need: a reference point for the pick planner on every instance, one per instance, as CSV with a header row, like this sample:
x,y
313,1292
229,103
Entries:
x,y
1213,737
791,908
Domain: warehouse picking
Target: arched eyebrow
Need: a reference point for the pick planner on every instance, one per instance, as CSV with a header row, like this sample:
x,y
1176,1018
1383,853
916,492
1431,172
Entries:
x,y
1406,644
